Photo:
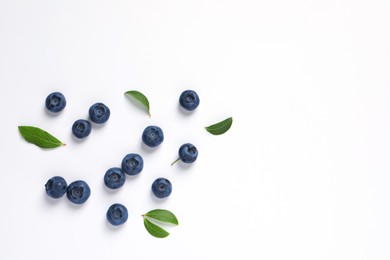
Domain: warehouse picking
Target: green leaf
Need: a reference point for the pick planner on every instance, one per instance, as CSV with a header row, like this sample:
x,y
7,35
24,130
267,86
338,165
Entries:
x,y
221,127
141,98
163,216
39,137
155,230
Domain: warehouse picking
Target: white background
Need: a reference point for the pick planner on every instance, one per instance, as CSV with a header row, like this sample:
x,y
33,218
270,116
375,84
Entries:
x,y
302,174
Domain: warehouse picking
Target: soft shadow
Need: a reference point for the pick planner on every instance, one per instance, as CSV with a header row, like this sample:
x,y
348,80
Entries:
x,y
73,205
158,200
51,200
184,111
112,227
132,177
183,165
111,191
51,114
146,148
97,126
77,140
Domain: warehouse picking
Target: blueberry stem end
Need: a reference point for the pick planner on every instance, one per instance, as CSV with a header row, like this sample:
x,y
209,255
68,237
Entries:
x,y
175,161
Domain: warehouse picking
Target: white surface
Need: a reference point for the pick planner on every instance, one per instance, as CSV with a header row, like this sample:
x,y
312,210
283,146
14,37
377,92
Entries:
x,y
302,174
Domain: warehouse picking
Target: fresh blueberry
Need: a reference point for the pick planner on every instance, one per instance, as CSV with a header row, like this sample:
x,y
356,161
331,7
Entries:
x,y
78,192
162,188
189,100
114,178
99,113
152,136
56,187
81,128
117,214
55,102
132,164
188,153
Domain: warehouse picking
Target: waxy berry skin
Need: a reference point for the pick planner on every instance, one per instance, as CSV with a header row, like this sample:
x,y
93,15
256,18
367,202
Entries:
x,y
117,214
189,100
56,187
152,136
55,102
161,188
78,192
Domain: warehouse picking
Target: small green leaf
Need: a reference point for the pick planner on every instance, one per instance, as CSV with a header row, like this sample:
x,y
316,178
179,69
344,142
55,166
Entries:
x,y
221,127
39,137
155,230
163,216
141,98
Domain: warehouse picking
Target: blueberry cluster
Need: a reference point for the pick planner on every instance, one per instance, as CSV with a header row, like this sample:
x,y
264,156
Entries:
x,y
132,164
77,192
99,113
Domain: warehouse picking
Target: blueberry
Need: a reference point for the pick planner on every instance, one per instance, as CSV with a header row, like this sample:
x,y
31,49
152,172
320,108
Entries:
x,y
56,187
117,214
189,100
78,192
55,102
81,128
99,113
162,188
132,164
152,136
188,153
114,178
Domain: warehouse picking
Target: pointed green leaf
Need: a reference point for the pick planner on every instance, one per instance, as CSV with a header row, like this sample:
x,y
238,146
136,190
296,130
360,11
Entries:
x,y
141,98
39,137
155,230
221,127
163,216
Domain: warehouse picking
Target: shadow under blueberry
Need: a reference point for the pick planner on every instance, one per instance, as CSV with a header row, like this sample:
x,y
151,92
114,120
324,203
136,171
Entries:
x,y
184,112
73,205
132,177
51,114
52,201
97,126
77,140
111,191
146,148
158,200
183,165
112,227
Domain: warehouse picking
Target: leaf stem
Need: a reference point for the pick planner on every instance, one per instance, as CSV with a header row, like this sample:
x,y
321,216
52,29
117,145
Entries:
x,y
175,161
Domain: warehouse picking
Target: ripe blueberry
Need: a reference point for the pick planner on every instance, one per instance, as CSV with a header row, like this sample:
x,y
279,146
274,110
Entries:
x,y
132,164
114,178
152,136
99,113
187,153
162,188
117,214
55,102
81,128
189,100
56,187
78,192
